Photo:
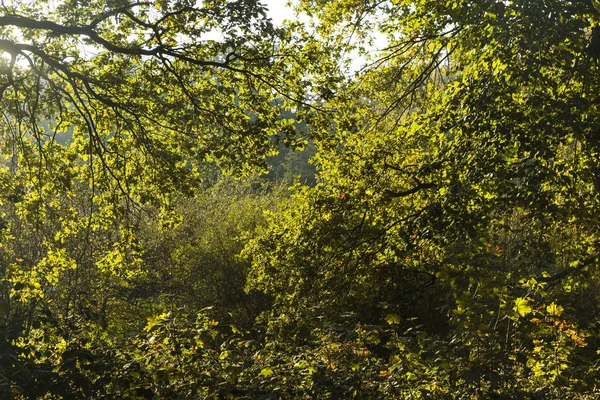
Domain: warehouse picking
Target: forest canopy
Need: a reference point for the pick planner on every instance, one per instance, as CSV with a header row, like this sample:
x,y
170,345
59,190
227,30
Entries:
x,y
392,199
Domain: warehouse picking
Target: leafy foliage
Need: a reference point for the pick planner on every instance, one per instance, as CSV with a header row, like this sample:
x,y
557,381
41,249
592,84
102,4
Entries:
x,y
447,247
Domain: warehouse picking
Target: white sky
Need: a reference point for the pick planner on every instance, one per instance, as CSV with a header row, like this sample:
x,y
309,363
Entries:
x,y
278,11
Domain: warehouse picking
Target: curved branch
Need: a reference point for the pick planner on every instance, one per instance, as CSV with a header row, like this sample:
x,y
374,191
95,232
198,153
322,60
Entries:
x,y
88,30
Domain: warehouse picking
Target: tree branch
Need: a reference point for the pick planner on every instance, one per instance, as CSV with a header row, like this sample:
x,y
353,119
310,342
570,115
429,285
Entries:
x,y
569,271
88,30
418,188
121,10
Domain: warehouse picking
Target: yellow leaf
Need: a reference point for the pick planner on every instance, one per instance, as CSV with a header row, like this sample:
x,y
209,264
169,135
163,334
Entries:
x,y
554,309
392,319
522,307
